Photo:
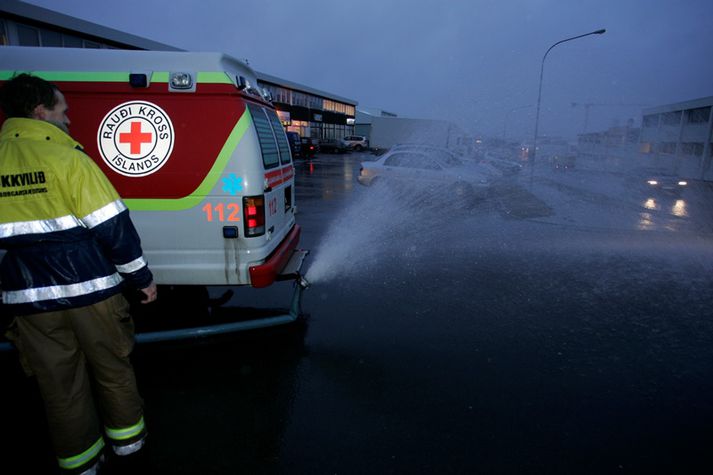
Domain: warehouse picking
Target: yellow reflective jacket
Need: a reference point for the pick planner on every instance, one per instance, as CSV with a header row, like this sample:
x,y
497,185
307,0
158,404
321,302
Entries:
x,y
68,236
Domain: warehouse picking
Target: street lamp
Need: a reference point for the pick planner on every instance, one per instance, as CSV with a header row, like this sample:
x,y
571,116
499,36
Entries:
x,y
539,94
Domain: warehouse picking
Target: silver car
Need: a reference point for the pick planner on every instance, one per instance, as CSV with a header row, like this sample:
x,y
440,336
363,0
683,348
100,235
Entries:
x,y
356,142
428,170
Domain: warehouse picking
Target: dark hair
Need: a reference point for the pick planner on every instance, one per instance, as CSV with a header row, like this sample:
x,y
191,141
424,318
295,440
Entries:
x,y
20,95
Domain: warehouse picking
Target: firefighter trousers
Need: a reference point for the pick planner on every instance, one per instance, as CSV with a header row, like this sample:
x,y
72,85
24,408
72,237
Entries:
x,y
80,358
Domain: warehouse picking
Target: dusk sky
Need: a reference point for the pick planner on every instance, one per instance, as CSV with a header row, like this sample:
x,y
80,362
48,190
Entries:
x,y
470,61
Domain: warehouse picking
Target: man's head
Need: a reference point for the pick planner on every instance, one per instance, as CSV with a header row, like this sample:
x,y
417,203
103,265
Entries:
x,y
34,98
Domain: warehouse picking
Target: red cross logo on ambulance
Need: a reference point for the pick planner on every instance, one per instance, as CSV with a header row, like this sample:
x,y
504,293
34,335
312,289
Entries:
x,y
136,138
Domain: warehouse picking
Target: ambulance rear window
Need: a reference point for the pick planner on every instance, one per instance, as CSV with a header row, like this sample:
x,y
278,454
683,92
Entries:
x,y
280,136
268,145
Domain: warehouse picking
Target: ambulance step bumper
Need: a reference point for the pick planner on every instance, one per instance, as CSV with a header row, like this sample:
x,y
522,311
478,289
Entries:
x,y
266,273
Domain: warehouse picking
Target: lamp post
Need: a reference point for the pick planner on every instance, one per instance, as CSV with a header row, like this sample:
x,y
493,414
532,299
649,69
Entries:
x,y
539,95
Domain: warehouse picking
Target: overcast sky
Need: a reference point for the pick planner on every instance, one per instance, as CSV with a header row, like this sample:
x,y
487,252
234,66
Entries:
x,y
471,61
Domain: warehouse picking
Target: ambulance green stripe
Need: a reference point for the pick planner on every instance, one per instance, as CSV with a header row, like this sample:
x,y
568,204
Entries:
x,y
158,76
203,77
208,182
99,76
210,77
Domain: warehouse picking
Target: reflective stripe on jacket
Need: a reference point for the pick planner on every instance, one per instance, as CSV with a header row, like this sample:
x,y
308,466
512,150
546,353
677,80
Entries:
x,y
69,239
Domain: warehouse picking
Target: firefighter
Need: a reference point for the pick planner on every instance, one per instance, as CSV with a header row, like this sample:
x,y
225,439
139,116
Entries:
x,y
71,248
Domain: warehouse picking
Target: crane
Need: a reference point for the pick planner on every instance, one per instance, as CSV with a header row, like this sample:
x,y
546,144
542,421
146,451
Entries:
x,y
587,105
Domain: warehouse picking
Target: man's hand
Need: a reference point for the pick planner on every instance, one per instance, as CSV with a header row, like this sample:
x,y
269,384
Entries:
x,y
150,293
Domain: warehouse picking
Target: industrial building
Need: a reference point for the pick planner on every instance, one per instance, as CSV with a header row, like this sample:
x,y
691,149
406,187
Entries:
x,y
675,138
302,109
678,136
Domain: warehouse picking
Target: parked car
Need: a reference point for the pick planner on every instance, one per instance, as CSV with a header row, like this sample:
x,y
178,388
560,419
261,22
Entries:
x,y
493,172
356,142
429,170
333,146
507,167
295,144
310,147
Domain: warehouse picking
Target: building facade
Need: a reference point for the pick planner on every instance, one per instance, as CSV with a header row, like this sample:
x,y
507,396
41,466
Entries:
x,y
302,109
308,111
384,130
678,137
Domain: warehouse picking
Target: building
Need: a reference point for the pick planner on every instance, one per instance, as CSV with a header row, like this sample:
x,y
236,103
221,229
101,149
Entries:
x,y
384,129
22,24
308,111
673,138
678,137
615,149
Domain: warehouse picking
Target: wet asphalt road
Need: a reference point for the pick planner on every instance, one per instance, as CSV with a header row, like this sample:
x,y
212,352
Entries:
x,y
560,329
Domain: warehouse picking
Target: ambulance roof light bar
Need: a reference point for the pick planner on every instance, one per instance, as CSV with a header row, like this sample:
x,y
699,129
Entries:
x,y
181,81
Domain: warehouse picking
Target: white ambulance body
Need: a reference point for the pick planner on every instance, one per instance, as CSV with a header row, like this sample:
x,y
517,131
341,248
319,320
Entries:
x,y
195,150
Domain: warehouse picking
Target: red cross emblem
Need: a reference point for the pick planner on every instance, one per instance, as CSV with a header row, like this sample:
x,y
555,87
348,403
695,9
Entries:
x,y
135,138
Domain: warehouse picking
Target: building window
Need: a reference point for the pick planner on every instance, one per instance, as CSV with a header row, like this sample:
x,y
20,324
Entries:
x,y
299,126
667,147
299,99
72,41
698,116
692,148
28,36
316,102
51,38
651,120
4,40
671,118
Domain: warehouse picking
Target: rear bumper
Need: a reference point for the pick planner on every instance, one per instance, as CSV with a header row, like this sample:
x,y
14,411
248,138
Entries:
x,y
264,274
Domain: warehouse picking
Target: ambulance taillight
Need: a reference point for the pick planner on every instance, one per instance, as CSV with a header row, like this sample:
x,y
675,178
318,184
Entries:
x,y
254,215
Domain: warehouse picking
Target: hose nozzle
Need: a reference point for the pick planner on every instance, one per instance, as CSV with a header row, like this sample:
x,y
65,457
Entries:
x,y
302,282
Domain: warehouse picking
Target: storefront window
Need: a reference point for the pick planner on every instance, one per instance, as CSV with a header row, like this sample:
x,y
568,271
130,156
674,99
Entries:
x,y
28,36
3,34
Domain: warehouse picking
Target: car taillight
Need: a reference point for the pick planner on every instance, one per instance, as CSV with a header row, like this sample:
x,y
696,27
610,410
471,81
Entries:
x,y
254,215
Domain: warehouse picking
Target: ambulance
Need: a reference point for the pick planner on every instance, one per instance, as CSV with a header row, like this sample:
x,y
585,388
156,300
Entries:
x,y
195,149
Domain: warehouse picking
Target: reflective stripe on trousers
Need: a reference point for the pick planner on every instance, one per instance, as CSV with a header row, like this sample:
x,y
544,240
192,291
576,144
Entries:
x,y
70,463
126,433
67,351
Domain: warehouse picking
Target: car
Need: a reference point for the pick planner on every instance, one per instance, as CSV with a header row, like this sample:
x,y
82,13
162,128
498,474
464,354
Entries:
x,y
295,144
665,182
427,169
310,147
507,167
486,167
563,162
333,146
356,142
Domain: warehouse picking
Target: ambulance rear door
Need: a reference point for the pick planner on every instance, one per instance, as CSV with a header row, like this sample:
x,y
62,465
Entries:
x,y
278,175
